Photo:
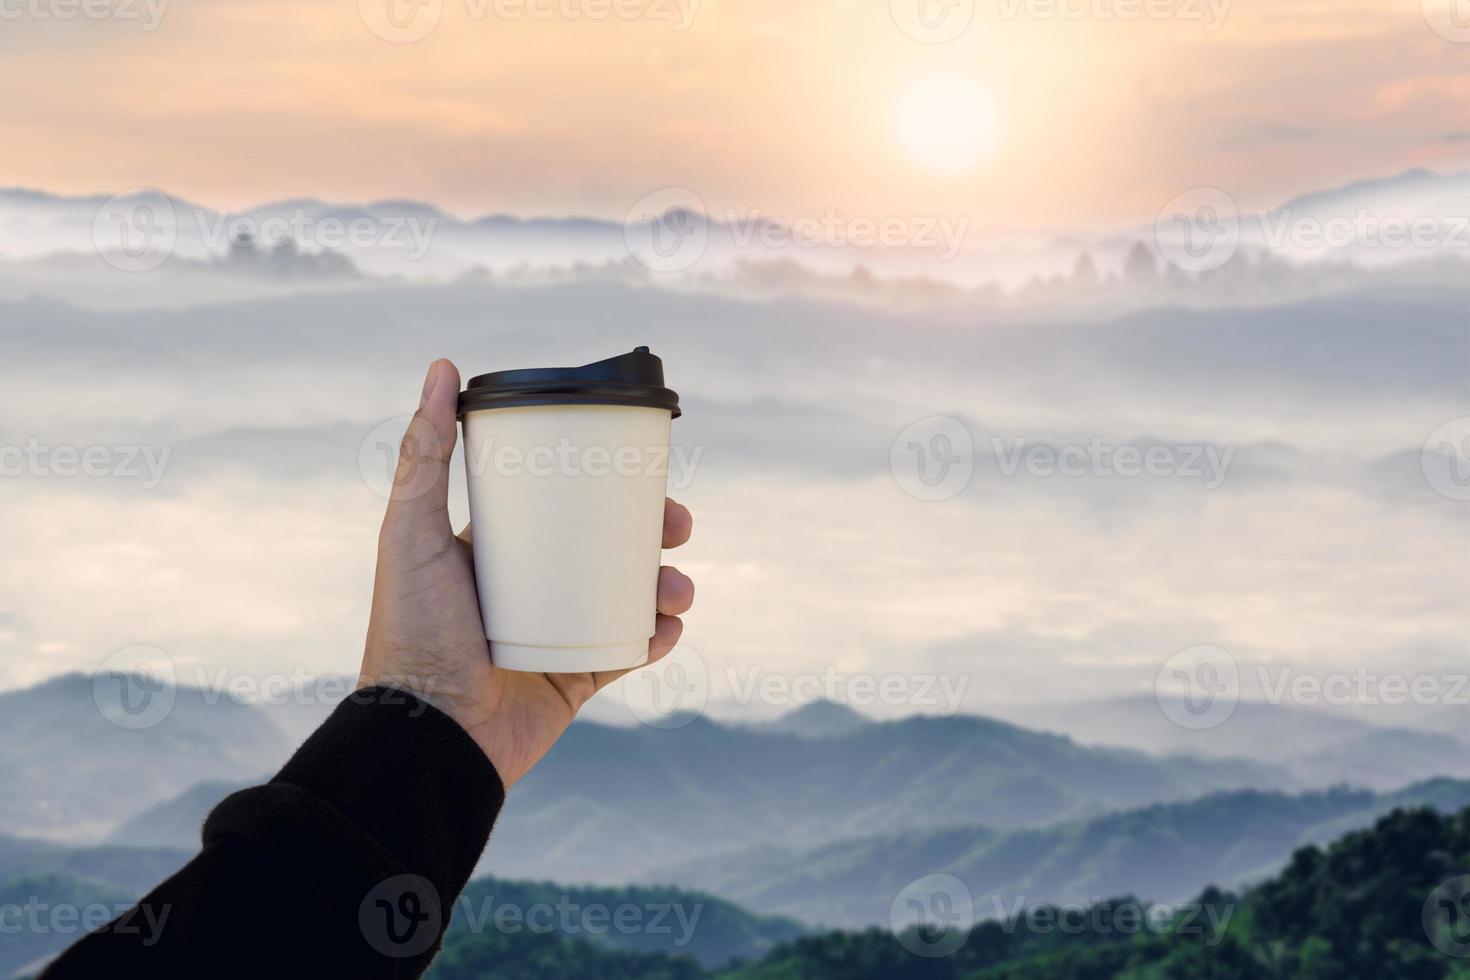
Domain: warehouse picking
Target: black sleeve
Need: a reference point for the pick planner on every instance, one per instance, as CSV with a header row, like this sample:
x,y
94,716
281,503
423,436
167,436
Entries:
x,y
346,864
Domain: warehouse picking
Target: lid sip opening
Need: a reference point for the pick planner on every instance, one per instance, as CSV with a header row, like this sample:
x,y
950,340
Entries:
x,y
635,378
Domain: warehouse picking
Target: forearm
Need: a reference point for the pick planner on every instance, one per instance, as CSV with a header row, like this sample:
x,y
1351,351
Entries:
x,y
344,864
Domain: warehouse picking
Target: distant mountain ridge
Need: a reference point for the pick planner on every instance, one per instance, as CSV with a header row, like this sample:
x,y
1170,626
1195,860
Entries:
x,y
1320,748
1165,852
133,870
1414,192
820,817
1411,191
177,821
597,807
819,719
36,225
68,772
594,809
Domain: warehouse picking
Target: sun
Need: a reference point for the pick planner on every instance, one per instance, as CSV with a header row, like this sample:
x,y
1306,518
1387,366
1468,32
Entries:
x,y
949,125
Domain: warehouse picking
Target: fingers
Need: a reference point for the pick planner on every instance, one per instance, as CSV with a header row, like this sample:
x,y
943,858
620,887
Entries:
x,y
666,633
678,523
675,591
421,481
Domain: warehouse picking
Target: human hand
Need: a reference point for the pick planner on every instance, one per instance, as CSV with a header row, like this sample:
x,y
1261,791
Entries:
x,y
425,634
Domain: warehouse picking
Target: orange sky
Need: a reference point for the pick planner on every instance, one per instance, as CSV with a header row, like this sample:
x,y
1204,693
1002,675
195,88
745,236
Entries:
x,y
787,107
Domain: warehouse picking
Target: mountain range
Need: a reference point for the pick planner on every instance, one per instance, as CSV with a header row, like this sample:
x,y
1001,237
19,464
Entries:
x,y
1384,902
1320,748
818,818
1380,902
1165,852
418,241
598,807
823,772
70,773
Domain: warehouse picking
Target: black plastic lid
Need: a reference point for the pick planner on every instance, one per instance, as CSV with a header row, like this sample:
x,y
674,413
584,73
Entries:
x,y
628,379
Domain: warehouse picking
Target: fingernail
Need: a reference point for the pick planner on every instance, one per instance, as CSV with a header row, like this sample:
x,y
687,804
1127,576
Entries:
x,y
430,380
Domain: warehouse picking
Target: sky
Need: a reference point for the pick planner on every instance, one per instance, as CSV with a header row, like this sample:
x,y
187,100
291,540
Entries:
x,y
1019,114
1324,545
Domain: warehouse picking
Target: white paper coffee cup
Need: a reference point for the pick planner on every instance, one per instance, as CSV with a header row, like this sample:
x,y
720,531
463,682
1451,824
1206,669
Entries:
x,y
567,471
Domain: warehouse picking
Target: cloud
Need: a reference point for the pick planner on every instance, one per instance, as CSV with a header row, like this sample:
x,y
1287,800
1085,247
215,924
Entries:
x,y
255,552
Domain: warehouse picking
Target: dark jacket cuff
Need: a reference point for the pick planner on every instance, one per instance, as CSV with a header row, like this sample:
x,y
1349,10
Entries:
x,y
404,779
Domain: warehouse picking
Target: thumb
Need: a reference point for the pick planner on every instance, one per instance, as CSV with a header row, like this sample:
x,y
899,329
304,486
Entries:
x,y
421,479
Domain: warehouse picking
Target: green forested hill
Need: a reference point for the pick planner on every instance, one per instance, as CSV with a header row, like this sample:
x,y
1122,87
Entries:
x,y
637,919
41,913
608,932
1388,903
1354,911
